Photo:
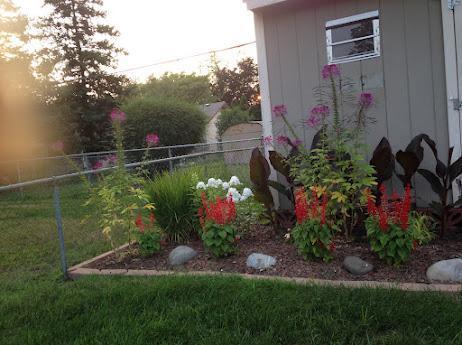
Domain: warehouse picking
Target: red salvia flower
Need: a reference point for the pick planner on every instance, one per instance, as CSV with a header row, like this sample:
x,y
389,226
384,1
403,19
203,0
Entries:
x,y
222,211
152,218
301,206
139,222
391,210
323,209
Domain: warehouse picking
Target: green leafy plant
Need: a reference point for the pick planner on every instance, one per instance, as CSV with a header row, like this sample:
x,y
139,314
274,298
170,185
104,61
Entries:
x,y
441,183
149,238
117,197
218,232
388,227
422,227
174,201
335,163
312,235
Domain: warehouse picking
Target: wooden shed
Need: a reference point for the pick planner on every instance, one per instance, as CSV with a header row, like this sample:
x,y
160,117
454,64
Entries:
x,y
408,53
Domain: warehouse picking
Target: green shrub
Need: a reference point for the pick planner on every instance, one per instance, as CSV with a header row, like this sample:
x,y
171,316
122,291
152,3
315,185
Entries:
x,y
230,117
175,209
219,239
149,242
174,122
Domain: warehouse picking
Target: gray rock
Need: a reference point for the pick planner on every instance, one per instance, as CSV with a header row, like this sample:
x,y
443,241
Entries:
x,y
181,255
446,271
357,266
260,261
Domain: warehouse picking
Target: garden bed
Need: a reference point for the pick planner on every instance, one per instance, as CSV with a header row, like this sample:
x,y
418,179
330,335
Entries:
x,y
291,264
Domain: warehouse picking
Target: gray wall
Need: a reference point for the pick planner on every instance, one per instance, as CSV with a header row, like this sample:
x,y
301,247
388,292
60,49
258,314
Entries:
x,y
408,80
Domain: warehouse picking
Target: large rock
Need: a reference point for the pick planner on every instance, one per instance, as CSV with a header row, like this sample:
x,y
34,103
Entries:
x,y
260,261
357,266
446,271
181,255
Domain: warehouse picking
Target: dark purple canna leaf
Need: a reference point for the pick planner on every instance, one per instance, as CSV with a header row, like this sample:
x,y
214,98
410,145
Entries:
x,y
383,161
280,164
434,182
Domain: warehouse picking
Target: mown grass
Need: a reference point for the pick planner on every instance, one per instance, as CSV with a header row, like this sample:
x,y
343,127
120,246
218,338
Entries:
x,y
37,307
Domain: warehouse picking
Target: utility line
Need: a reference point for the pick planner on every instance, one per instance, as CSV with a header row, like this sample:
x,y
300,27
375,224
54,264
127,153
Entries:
x,y
184,58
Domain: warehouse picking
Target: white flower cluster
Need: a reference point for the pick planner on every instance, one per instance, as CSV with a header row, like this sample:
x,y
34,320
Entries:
x,y
229,187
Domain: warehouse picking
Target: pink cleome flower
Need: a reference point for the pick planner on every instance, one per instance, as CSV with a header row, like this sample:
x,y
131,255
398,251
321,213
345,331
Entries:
x,y
320,111
268,140
98,165
282,140
57,145
330,71
313,121
366,99
152,139
117,115
280,110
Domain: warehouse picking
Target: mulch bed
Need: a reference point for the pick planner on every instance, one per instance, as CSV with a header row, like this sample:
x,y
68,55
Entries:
x,y
291,264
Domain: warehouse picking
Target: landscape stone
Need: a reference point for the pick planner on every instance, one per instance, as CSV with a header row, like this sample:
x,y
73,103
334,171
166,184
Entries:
x,y
357,266
446,271
181,255
260,261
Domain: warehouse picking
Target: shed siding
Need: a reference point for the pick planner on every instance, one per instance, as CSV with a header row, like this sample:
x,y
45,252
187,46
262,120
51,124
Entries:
x,y
407,80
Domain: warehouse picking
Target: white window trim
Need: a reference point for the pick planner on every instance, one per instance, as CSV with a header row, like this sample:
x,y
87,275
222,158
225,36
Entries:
x,y
347,20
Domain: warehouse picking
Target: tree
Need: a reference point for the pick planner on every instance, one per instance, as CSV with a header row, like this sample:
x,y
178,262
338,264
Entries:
x,y
79,51
16,85
238,86
190,88
230,117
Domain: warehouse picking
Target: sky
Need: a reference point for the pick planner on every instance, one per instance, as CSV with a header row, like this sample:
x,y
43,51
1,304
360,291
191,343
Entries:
x,y
153,31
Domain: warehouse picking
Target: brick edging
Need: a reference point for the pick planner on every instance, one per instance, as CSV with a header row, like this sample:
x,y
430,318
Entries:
x,y
79,271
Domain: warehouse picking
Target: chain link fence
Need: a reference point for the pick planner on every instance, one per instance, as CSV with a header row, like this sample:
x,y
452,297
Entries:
x,y
44,224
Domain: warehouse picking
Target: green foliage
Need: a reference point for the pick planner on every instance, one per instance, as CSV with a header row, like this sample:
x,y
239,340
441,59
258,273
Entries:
x,y
219,239
117,197
230,117
238,86
188,88
345,176
149,242
422,227
79,48
175,122
313,240
394,245
175,208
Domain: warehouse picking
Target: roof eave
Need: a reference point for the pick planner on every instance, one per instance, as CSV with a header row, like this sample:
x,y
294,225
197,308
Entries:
x,y
256,4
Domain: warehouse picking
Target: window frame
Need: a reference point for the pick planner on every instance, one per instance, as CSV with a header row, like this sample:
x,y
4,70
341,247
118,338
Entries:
x,y
332,24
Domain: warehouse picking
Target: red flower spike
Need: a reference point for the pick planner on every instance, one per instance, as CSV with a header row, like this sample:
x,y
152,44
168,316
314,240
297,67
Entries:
x,y
323,209
301,206
139,223
152,218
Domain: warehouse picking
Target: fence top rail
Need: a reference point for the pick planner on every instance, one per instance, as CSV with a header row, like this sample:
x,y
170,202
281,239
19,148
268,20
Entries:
x,y
54,179
100,153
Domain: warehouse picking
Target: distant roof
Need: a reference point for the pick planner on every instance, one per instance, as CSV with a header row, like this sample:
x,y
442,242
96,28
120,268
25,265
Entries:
x,y
211,109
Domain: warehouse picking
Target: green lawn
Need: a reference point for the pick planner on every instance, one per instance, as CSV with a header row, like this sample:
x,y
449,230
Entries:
x,y
37,307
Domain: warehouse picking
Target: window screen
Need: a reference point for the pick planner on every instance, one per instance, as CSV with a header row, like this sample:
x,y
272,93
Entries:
x,y
353,38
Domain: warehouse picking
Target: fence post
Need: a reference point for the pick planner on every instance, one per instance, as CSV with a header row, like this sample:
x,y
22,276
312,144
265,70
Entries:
x,y
18,173
59,225
170,162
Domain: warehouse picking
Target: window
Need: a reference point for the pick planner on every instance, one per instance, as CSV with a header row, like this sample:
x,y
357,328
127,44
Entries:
x,y
353,38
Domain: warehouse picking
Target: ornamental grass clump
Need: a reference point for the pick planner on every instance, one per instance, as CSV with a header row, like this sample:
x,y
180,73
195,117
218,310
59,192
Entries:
x,y
388,226
218,232
312,234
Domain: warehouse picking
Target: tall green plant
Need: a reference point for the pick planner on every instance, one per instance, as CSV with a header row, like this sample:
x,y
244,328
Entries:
x,y
117,198
335,164
175,206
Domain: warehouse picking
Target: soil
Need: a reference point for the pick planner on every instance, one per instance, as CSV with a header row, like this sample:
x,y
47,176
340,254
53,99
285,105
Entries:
x,y
291,264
